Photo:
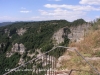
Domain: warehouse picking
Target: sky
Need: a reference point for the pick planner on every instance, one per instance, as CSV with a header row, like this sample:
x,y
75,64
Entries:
x,y
40,10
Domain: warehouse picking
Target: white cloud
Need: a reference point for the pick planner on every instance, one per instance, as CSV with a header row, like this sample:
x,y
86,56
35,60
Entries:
x,y
63,14
23,8
37,17
97,16
68,12
73,7
60,12
90,2
25,11
5,17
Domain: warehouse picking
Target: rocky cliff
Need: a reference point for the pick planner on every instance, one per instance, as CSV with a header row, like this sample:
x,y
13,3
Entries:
x,y
20,48
31,39
21,31
57,37
79,32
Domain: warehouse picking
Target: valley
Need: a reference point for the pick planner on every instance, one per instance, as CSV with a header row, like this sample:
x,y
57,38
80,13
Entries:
x,y
37,45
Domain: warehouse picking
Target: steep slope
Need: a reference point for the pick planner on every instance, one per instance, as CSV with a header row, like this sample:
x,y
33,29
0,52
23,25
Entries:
x,y
23,41
89,47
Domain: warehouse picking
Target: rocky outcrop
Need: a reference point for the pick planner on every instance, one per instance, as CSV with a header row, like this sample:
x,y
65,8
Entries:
x,y
58,37
21,61
30,55
77,33
6,30
9,54
21,31
16,48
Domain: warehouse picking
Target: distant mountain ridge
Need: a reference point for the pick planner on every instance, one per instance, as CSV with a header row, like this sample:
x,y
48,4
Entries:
x,y
5,23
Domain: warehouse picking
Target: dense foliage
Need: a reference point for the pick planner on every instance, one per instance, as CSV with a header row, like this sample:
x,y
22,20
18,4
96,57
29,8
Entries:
x,y
37,35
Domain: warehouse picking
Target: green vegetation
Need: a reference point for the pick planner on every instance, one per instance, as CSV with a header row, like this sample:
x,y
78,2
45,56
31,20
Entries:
x,y
8,63
89,48
37,35
78,22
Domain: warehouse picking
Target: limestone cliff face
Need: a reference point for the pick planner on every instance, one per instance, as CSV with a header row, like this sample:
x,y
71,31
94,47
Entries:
x,y
21,31
77,33
59,36
6,30
21,61
16,48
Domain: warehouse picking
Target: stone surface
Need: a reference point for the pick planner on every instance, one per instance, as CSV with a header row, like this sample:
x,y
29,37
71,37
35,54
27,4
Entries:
x,y
6,30
16,48
21,31
30,55
57,37
22,48
21,61
77,33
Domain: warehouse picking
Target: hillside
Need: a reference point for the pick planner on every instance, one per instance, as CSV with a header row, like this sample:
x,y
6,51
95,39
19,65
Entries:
x,y
23,41
89,47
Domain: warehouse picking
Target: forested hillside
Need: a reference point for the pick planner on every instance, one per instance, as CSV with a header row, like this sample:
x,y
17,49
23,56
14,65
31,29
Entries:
x,y
20,39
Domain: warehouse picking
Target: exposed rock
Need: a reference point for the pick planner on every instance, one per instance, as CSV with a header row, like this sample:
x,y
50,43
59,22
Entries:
x,y
22,48
6,30
77,33
74,33
39,53
21,31
16,48
9,54
9,35
57,37
31,55
21,61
